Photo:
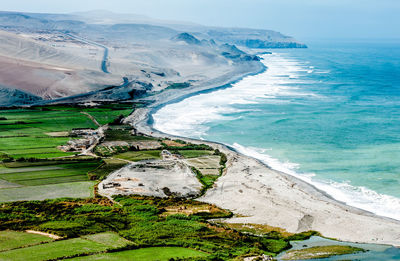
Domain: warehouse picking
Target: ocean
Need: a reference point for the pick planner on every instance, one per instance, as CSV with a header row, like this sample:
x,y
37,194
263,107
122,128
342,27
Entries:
x,y
329,115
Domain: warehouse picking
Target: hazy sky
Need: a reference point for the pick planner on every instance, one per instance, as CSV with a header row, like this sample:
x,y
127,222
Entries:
x,y
304,19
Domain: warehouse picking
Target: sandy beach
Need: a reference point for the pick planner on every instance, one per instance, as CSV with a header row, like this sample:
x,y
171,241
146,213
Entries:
x,y
260,195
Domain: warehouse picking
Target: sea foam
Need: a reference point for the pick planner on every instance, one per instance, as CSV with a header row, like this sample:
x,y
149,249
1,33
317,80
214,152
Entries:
x,y
191,116
187,118
360,197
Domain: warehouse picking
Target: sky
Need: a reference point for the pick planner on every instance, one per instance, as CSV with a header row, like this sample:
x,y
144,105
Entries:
x,y
303,19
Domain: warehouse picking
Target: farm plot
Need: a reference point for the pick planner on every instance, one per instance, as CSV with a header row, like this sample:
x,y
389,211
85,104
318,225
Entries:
x,y
208,165
140,155
54,250
16,239
150,254
35,176
194,153
30,246
64,190
37,182
30,133
23,135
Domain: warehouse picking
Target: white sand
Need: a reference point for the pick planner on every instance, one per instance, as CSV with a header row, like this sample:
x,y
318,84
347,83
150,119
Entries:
x,y
265,196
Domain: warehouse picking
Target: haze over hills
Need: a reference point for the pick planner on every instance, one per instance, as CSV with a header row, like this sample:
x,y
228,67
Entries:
x,y
106,56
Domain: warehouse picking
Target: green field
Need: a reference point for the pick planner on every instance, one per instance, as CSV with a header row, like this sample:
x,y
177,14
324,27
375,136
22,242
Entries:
x,y
148,254
106,168
195,153
142,222
139,155
25,133
123,133
16,239
111,239
83,189
65,173
17,245
46,179
29,136
54,250
24,246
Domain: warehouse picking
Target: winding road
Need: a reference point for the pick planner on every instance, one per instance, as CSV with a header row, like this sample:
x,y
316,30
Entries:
x,y
104,62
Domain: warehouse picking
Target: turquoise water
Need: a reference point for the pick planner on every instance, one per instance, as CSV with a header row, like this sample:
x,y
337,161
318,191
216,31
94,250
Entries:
x,y
329,114
373,253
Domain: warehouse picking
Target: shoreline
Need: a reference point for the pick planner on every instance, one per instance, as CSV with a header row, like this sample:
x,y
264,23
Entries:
x,y
277,199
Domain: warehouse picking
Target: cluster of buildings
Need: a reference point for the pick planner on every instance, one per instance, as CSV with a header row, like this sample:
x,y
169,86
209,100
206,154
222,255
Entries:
x,y
88,137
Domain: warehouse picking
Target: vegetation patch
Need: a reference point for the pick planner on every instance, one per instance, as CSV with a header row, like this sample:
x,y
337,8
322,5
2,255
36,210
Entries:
x,y
142,222
261,230
54,250
17,239
124,133
194,153
320,252
83,189
178,85
174,143
65,173
108,166
149,254
36,132
140,155
110,239
206,180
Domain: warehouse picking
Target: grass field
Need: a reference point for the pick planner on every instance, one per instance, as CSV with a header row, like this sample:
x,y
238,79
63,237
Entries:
x,y
65,173
17,245
28,164
194,153
16,239
54,250
140,155
148,254
83,189
46,179
110,239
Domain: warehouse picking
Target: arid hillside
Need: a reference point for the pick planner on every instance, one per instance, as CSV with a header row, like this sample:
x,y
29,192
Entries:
x,y
47,57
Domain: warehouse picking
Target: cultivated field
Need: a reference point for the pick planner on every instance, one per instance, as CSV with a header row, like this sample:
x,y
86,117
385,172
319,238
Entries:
x,y
150,254
45,175
208,165
33,168
140,155
194,153
46,179
17,239
83,189
54,250
26,133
